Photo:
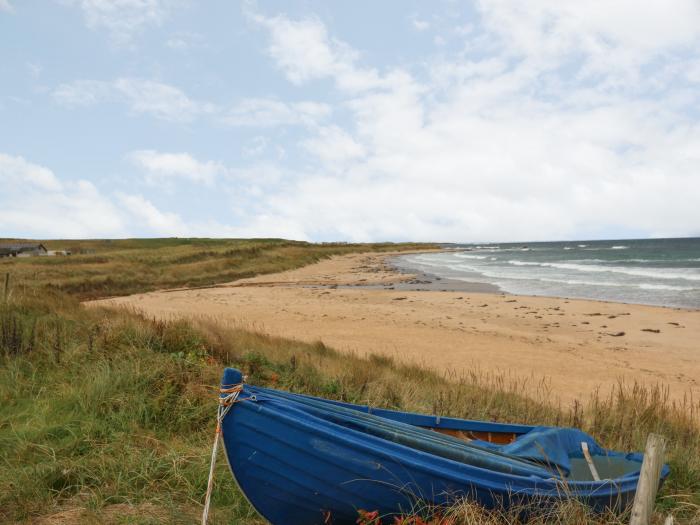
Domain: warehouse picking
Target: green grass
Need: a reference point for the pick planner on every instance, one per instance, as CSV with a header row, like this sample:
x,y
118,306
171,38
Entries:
x,y
109,417
122,267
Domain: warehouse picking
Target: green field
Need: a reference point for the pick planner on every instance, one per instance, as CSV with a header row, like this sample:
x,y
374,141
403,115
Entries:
x,y
109,417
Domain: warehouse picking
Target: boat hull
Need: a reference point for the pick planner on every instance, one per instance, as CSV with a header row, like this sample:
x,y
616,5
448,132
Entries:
x,y
301,471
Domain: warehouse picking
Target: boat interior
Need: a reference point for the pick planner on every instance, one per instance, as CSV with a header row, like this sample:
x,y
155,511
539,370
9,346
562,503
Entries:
x,y
606,466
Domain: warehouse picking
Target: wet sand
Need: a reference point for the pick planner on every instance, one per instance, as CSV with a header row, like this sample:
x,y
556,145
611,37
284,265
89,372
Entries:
x,y
361,304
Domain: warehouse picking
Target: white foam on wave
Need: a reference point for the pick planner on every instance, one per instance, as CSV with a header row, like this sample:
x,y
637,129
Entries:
x,y
462,268
421,259
583,283
619,247
428,263
468,256
643,286
515,262
655,273
650,286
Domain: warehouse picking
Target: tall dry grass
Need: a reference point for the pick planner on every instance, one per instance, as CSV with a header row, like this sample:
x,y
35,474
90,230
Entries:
x,y
103,407
105,414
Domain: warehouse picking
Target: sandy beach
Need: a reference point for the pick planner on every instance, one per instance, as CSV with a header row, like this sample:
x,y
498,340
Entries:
x,y
361,304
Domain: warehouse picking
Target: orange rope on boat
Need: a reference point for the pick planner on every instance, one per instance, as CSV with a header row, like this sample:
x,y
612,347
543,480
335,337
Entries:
x,y
227,398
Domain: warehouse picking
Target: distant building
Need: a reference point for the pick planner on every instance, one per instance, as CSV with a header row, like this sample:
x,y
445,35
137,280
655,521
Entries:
x,y
22,249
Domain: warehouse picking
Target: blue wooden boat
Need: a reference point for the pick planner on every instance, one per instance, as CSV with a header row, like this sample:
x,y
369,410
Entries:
x,y
302,460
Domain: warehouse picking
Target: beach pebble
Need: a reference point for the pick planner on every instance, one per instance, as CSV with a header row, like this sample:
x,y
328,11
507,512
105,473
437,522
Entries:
x,y
615,334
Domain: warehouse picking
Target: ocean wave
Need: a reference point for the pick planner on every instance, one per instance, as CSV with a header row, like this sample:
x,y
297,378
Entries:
x,y
427,258
462,268
584,283
619,247
650,286
632,260
643,278
655,273
502,279
643,286
515,262
427,263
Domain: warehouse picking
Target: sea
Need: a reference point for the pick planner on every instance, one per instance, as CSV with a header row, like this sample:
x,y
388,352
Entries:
x,y
663,272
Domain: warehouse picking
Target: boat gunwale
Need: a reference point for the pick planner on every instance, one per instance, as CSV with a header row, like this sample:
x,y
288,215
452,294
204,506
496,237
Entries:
x,y
438,422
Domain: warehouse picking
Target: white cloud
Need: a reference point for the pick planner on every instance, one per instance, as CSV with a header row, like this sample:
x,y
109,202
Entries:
x,y
563,26
420,25
162,167
547,119
334,146
555,121
36,203
16,172
167,102
123,19
82,93
269,112
6,6
158,222
304,51
611,39
255,146
301,48
160,100
141,96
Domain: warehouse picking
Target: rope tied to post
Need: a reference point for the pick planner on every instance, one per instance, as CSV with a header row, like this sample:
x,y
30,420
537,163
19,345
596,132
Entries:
x,y
227,398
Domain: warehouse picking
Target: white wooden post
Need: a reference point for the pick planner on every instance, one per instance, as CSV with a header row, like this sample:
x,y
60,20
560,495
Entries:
x,y
645,496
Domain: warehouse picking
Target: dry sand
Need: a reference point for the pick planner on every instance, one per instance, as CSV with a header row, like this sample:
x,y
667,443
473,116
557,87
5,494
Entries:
x,y
347,302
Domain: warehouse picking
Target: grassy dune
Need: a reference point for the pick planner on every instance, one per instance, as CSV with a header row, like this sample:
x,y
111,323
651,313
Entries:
x,y
122,267
108,417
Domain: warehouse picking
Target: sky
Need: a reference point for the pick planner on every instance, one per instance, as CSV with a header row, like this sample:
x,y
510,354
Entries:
x,y
453,121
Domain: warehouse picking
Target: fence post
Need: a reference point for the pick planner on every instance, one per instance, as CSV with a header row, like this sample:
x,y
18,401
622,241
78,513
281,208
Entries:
x,y
7,286
648,484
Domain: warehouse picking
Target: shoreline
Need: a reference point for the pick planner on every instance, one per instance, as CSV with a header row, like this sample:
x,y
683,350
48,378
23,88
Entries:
x,y
430,282
446,284
361,304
